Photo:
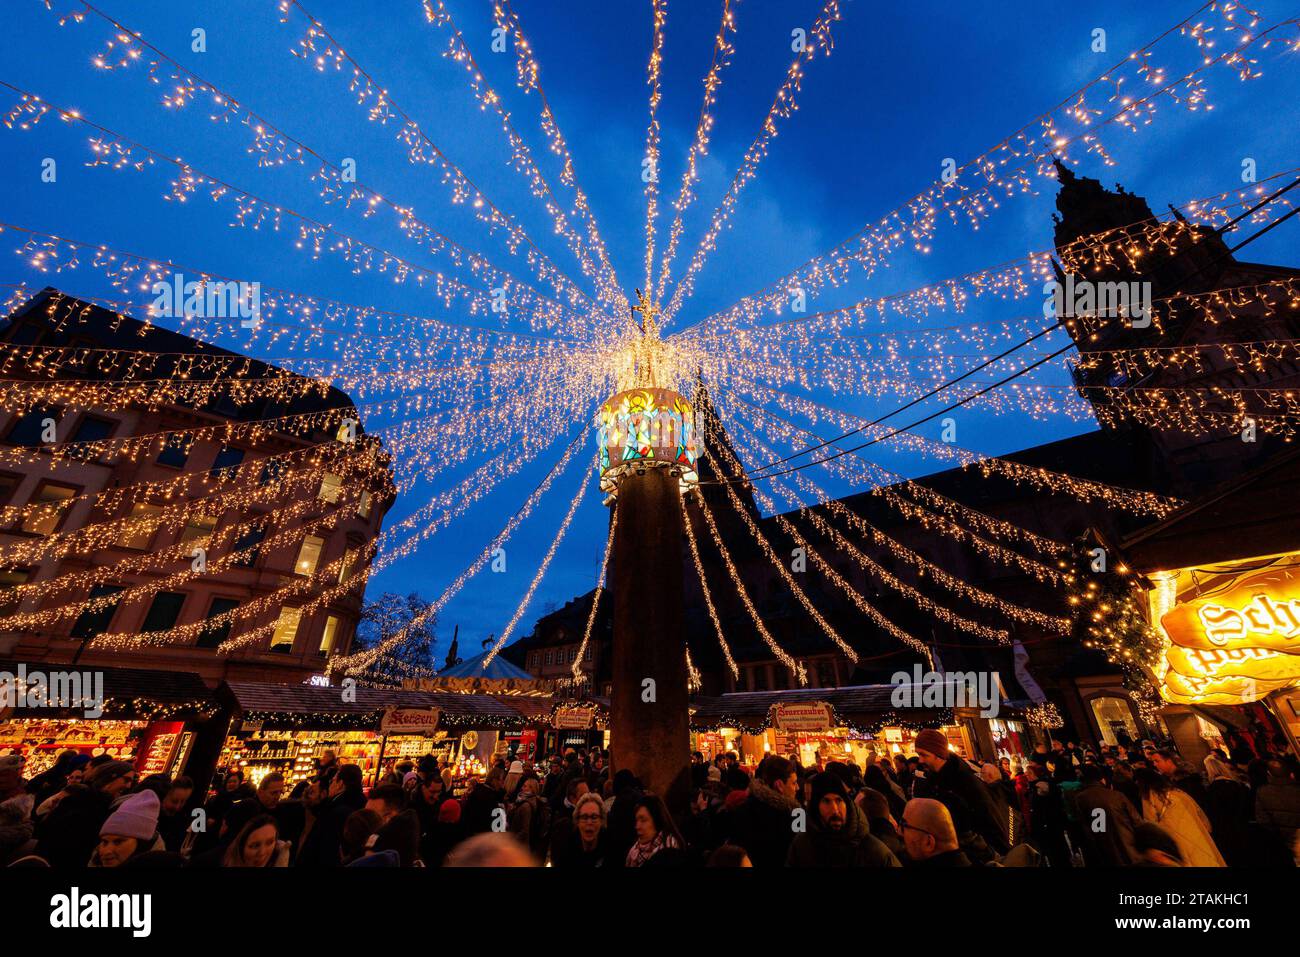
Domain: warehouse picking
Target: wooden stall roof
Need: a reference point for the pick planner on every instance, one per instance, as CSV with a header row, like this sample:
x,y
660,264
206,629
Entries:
x,y
129,692
466,709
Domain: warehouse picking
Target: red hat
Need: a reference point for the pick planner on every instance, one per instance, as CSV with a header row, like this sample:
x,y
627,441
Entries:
x,y
449,813
932,741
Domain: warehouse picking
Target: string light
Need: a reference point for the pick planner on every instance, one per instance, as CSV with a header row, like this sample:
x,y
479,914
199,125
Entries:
x,y
796,669
723,50
704,589
595,598
818,40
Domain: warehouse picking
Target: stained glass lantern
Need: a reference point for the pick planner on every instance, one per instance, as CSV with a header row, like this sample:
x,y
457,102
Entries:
x,y
647,428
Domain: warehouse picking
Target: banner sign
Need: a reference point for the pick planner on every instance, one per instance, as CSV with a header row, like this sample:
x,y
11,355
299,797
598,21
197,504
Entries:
x,y
409,720
573,719
802,716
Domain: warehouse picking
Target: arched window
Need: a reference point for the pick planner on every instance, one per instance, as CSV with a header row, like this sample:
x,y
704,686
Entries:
x,y
1115,720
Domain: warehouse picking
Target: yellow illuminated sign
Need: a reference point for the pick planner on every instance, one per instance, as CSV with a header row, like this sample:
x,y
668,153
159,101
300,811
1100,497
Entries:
x,y
1234,645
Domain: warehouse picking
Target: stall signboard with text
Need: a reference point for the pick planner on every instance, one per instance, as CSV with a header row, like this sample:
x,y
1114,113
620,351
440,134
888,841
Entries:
x,y
409,720
802,716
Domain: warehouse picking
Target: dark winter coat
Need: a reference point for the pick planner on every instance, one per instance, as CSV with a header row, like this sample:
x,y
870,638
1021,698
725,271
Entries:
x,y
70,833
400,834
572,854
957,777
850,846
1112,845
946,859
477,814
323,845
762,825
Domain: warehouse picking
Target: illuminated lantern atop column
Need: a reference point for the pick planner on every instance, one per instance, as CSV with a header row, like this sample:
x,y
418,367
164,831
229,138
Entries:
x,y
647,428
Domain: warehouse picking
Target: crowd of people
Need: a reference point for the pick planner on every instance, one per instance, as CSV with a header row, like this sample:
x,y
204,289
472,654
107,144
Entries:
x,y
1062,806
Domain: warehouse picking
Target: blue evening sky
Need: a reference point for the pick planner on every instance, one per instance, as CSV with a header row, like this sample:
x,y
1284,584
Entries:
x,y
908,85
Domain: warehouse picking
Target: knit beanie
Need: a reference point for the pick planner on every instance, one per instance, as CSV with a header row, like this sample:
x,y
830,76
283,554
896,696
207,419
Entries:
x,y
824,784
108,771
932,741
135,817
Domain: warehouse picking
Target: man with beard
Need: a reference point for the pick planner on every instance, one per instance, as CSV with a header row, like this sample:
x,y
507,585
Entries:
x,y
837,835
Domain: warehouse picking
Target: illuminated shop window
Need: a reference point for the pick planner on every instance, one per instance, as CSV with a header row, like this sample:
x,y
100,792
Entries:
x,y
286,629
308,555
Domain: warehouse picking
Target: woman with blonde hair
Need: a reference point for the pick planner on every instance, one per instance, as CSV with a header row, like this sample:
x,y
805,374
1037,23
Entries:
x,y
1175,811
588,844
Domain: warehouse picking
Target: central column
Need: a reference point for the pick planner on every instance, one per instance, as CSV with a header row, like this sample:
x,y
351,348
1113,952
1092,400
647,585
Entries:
x,y
649,732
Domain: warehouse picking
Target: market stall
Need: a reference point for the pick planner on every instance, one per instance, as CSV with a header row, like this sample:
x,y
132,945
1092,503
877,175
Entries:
x,y
151,718
856,723
288,728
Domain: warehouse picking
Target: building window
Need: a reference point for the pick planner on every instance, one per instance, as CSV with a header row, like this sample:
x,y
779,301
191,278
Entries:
x,y
308,555
536,659
9,579
176,450
273,470
548,658
286,630
93,623
197,528
164,611
363,505
30,429
8,485
213,635
248,542
586,655
139,532
329,635
331,486
345,566
90,429
226,463
52,503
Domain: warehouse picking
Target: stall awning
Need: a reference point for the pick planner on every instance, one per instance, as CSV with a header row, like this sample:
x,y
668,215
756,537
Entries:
x,y
859,706
129,693
305,705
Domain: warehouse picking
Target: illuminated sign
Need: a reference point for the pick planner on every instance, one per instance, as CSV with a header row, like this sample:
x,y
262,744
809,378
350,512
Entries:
x,y
1234,645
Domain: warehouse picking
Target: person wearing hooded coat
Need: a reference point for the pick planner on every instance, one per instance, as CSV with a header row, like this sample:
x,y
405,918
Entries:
x,y
838,834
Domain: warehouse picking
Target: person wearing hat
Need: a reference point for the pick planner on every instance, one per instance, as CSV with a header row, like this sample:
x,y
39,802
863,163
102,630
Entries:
x,y
130,830
951,776
69,834
837,833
